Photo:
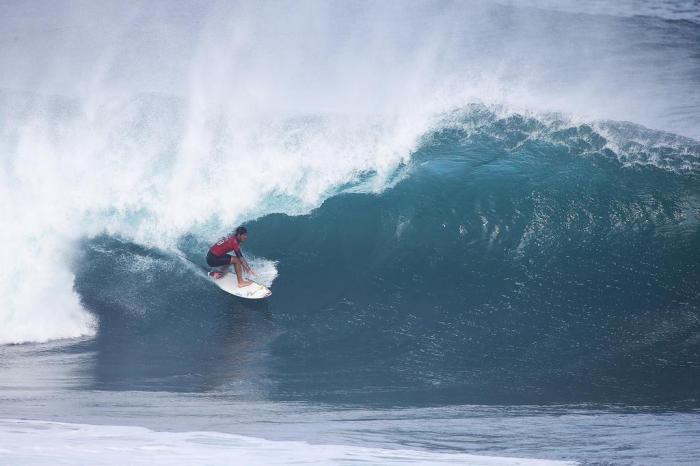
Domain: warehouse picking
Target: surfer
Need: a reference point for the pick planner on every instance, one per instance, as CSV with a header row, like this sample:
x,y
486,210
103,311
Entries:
x,y
218,257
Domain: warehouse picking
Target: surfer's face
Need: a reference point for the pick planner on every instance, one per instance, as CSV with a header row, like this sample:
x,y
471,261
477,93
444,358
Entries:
x,y
242,238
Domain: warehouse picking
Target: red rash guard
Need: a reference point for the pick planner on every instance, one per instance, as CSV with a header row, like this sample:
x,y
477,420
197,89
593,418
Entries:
x,y
225,245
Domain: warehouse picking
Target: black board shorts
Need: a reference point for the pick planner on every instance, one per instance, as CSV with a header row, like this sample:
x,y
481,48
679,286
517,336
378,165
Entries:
x,y
218,261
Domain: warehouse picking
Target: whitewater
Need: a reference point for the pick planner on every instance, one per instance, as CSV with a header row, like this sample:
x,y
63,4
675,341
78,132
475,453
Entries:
x,y
471,214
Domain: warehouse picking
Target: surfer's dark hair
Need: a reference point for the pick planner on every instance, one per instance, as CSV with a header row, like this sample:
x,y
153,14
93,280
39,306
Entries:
x,y
241,231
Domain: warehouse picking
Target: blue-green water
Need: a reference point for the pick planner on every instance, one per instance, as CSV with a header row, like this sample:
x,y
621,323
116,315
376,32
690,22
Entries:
x,y
481,238
541,270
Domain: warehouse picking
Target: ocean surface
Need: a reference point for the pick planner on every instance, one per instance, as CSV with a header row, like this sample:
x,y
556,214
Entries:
x,y
480,222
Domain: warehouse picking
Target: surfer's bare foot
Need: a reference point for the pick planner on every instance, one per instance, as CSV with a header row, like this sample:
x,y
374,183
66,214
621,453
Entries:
x,y
243,283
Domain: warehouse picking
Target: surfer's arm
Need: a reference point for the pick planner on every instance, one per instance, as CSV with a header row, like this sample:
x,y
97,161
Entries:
x,y
244,263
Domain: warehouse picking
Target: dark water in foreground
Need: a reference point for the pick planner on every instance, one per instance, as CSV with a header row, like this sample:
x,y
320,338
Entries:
x,y
53,382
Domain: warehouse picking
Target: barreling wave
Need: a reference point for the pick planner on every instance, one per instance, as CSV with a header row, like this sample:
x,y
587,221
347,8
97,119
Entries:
x,y
156,122
518,260
511,259
145,173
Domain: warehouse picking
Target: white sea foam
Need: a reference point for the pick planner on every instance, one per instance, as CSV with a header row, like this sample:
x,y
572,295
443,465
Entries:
x,y
24,442
78,175
265,270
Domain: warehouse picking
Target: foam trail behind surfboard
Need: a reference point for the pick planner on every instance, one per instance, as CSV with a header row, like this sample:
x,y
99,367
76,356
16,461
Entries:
x,y
193,266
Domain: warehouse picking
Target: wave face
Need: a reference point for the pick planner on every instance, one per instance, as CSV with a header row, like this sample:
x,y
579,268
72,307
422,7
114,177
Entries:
x,y
514,261
517,261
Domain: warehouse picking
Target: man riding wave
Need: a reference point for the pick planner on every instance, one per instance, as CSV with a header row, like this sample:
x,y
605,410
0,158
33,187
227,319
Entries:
x,y
218,257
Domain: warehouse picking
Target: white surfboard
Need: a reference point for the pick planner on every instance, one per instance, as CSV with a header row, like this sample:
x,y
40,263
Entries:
x,y
229,283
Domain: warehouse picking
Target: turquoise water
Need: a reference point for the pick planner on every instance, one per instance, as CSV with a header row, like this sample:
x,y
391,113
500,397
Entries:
x,y
485,239
544,270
